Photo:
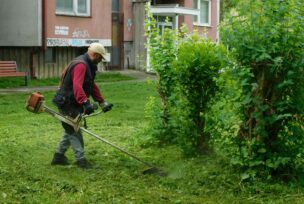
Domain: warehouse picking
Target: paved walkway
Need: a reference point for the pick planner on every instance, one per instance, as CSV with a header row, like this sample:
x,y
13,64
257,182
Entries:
x,y
138,75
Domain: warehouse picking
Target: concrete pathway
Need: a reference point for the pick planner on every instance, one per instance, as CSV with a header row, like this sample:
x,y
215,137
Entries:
x,y
138,75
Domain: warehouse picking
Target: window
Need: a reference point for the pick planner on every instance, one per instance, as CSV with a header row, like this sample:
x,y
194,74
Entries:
x,y
73,7
115,5
204,6
50,55
164,22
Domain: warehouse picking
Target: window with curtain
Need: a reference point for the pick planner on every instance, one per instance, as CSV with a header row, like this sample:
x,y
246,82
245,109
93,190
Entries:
x,y
64,5
73,7
115,5
82,6
204,6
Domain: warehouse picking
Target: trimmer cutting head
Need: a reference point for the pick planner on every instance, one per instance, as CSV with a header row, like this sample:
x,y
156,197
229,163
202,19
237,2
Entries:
x,y
155,171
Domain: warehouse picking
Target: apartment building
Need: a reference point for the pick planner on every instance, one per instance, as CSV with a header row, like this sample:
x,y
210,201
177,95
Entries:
x,y
42,36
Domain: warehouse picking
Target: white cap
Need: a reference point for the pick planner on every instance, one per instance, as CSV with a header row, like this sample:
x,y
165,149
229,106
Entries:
x,y
98,48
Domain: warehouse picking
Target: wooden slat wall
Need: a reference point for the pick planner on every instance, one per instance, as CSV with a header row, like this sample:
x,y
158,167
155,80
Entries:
x,y
20,55
139,34
48,70
42,70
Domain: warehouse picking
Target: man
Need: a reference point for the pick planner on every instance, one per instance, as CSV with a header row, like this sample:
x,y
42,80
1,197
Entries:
x,y
72,99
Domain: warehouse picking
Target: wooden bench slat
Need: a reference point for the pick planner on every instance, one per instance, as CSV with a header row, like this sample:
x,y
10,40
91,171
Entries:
x,y
9,71
1,67
7,64
13,74
7,68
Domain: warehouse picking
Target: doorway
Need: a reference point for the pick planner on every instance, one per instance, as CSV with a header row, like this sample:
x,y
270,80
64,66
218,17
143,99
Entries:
x,y
117,37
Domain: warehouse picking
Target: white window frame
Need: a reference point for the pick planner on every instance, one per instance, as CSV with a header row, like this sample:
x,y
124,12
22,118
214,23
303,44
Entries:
x,y
162,26
198,23
75,10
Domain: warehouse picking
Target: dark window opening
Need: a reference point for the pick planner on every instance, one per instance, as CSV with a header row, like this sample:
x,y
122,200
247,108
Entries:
x,y
115,5
50,55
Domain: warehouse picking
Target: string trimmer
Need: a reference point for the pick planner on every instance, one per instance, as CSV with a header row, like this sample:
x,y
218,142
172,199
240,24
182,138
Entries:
x,y
36,104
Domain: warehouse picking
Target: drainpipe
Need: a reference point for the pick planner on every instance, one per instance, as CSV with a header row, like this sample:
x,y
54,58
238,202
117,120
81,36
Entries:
x,y
32,63
43,47
44,23
218,21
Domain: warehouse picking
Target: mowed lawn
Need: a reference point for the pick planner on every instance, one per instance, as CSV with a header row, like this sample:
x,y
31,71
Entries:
x,y
28,141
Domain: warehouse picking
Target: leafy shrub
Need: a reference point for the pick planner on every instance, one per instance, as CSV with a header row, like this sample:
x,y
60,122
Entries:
x,y
186,68
197,66
266,38
162,50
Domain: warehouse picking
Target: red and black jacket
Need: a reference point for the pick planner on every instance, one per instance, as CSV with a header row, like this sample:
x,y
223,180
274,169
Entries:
x,y
77,82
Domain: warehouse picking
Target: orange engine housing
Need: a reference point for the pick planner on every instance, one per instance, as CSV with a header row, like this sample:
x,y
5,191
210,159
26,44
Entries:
x,y
34,102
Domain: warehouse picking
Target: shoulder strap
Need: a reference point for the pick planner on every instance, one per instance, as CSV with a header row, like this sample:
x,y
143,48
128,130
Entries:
x,y
64,73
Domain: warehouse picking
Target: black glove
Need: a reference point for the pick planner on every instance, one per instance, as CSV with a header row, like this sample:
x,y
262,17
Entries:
x,y
88,108
106,106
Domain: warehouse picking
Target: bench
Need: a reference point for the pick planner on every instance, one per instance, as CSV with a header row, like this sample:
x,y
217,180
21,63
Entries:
x,y
9,69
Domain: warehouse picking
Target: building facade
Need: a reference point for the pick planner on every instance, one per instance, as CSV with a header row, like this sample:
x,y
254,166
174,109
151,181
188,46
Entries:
x,y
42,36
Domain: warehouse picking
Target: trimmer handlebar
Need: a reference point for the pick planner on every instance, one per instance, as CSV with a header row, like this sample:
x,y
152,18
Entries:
x,y
36,104
107,108
103,110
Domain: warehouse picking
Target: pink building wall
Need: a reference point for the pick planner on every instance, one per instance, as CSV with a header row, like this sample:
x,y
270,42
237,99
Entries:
x,y
128,20
212,29
130,42
206,31
187,19
96,26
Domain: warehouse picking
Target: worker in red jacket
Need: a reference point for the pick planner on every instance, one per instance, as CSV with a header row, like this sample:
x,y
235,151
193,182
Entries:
x,y
72,99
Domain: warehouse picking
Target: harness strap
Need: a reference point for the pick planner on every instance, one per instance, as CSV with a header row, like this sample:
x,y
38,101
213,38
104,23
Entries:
x,y
64,73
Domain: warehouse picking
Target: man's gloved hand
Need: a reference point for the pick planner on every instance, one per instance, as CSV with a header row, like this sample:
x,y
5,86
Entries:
x,y
88,108
106,106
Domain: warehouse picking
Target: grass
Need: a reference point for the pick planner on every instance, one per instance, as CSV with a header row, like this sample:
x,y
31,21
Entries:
x,y
13,82
29,140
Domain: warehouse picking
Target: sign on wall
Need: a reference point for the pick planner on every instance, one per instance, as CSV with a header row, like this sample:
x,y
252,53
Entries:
x,y
80,38
74,42
61,30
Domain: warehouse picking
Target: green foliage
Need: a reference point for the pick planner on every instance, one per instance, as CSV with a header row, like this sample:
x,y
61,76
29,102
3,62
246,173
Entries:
x,y
266,38
197,66
226,7
162,50
225,115
186,68
157,130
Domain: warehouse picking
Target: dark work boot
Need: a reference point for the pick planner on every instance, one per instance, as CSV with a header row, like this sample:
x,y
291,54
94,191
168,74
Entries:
x,y
83,163
60,159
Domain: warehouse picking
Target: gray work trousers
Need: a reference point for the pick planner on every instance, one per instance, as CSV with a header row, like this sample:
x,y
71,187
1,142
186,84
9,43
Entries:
x,y
70,137
75,140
